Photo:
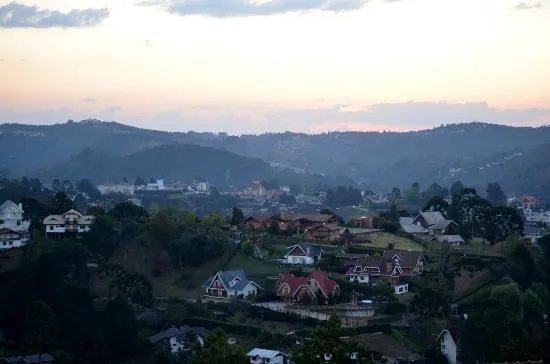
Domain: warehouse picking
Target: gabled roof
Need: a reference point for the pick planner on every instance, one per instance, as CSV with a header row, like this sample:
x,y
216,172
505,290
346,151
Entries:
x,y
316,218
71,211
264,353
228,276
328,286
454,332
442,224
259,217
175,332
8,204
330,227
293,282
407,258
448,238
54,220
5,230
431,217
305,248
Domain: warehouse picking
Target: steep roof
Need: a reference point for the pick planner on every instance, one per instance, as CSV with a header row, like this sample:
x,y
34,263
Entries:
x,y
294,282
442,224
432,217
259,217
8,204
4,230
175,332
407,258
264,353
449,238
54,220
228,276
327,285
308,249
72,211
320,218
330,227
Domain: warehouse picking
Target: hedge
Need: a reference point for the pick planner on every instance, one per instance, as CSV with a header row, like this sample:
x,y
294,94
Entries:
x,y
365,289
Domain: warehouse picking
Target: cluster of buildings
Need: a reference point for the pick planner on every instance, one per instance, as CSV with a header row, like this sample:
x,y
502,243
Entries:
x,y
197,187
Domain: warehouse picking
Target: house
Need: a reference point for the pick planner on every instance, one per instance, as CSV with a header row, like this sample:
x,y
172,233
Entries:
x,y
180,339
388,267
455,240
232,283
35,358
303,254
265,356
365,222
258,222
435,223
407,224
353,234
123,188
71,222
304,221
317,287
448,342
10,238
11,213
325,232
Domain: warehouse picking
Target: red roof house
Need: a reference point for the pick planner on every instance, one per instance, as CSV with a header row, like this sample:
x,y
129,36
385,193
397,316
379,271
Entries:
x,y
311,289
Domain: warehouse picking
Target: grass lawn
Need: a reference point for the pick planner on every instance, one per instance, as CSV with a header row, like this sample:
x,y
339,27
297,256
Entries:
x,y
469,282
255,268
381,240
501,249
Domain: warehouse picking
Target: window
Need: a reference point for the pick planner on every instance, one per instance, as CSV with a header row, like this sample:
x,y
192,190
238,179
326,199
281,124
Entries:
x,y
51,227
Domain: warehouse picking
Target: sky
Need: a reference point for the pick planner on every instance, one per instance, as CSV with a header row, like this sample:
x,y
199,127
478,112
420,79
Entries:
x,y
266,66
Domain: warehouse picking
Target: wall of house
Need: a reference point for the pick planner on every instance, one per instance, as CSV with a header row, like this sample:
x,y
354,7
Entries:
x,y
293,259
276,360
360,278
448,347
55,228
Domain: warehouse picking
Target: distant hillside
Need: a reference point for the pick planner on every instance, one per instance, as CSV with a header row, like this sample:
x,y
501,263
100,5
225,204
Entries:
x,y
380,160
171,162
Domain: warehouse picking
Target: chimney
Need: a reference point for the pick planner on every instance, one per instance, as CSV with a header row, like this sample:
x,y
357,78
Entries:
x,y
20,206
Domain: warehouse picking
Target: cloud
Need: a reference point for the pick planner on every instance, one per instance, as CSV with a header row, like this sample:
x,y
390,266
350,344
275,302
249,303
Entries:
x,y
528,5
147,43
239,8
17,15
89,99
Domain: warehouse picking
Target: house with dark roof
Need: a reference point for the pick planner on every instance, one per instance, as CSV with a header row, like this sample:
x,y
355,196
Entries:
x,y
388,267
231,283
435,223
407,224
179,339
71,222
258,222
328,233
455,240
315,288
303,254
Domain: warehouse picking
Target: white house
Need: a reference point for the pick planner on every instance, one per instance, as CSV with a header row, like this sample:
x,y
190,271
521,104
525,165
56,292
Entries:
x,y
448,345
232,283
123,188
11,213
265,356
10,238
71,222
303,254
180,339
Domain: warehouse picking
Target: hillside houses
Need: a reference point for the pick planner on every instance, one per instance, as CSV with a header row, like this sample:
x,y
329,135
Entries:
x,y
315,288
388,267
304,254
284,221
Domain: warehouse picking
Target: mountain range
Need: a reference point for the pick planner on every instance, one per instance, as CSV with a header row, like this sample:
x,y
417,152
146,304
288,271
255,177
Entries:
x,y
476,153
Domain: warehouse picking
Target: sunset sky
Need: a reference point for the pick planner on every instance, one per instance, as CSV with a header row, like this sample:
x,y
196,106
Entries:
x,y
261,66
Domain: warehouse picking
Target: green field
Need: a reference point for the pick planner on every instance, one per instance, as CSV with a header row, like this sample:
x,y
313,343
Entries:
x,y
501,249
381,240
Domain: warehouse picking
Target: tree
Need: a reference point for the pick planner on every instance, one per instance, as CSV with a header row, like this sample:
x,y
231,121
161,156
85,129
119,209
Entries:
x,y
237,216
495,195
103,237
248,248
86,186
396,192
273,228
392,214
96,211
128,211
216,350
140,182
457,188
287,199
327,340
61,203
213,219
437,203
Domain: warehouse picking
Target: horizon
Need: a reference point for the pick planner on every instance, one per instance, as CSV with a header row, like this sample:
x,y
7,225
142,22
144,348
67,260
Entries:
x,y
271,66
85,121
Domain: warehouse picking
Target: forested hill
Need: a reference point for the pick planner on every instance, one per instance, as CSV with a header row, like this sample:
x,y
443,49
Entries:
x,y
181,162
377,159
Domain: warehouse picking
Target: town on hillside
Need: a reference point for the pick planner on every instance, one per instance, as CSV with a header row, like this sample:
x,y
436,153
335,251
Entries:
x,y
183,272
